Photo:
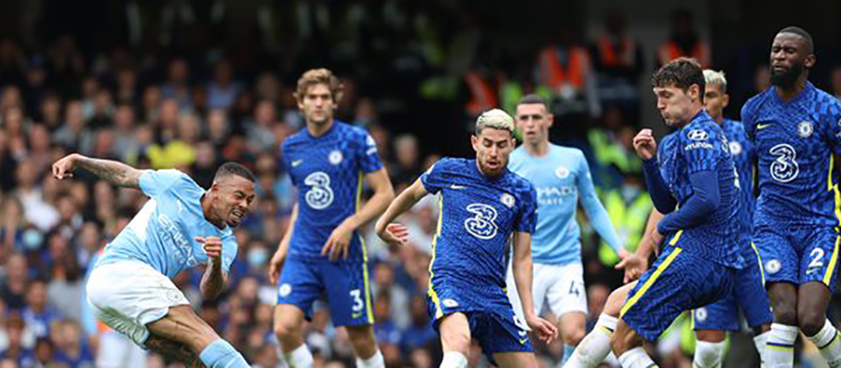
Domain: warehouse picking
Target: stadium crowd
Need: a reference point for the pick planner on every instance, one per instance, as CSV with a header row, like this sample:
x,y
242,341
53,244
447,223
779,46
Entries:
x,y
169,97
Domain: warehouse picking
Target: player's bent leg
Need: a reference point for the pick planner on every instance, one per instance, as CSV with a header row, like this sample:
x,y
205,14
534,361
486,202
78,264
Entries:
x,y
365,346
811,315
709,348
183,326
628,346
515,360
595,347
289,329
173,351
455,340
573,327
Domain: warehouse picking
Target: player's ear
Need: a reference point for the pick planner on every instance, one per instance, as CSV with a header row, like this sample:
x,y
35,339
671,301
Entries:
x,y
810,61
725,100
474,141
694,92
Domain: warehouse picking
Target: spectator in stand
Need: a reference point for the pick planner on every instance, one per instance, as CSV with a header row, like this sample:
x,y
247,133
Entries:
x,y
177,86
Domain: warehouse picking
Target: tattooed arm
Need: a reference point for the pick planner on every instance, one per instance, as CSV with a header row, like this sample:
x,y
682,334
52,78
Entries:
x,y
114,172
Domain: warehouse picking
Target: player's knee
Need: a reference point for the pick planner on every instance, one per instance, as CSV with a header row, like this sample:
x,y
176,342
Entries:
x,y
286,330
708,354
620,342
811,321
573,337
456,341
363,340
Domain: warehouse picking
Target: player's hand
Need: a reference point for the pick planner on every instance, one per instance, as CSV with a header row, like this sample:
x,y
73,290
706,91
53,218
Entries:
x,y
546,331
64,168
657,239
645,145
276,264
393,233
212,247
338,243
634,267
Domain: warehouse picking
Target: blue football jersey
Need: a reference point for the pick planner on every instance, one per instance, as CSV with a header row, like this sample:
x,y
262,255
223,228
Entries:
x,y
163,233
477,218
328,172
700,146
795,142
744,156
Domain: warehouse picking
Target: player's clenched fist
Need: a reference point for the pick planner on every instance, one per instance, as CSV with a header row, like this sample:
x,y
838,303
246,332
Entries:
x,y
64,168
645,145
212,246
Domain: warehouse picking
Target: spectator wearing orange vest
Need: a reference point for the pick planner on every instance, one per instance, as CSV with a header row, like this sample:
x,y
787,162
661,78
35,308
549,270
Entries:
x,y
565,68
482,91
615,54
683,42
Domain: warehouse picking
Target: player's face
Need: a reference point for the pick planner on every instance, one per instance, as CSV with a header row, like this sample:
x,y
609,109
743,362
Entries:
x,y
234,197
715,100
790,57
493,146
317,104
534,121
676,105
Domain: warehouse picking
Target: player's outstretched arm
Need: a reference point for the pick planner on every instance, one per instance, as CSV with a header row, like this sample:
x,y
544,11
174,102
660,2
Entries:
x,y
114,172
596,212
279,257
337,244
521,266
396,234
214,278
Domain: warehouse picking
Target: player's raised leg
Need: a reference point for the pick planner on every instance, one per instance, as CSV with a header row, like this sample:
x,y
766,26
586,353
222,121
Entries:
x,y
183,326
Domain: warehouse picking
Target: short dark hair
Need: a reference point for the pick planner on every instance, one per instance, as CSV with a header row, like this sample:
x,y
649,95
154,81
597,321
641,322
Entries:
x,y
681,73
233,168
533,99
802,33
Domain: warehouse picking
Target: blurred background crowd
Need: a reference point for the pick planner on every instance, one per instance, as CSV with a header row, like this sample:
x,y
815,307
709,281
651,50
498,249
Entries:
x,y
190,84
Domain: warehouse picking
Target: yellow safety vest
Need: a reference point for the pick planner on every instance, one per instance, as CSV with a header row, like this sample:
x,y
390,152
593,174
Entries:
x,y
629,220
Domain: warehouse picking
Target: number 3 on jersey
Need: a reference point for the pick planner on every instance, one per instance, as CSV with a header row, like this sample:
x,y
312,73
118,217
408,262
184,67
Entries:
x,y
784,169
320,196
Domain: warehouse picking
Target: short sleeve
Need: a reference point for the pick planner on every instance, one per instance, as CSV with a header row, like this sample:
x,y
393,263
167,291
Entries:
x,y
749,119
156,182
285,165
433,179
229,252
527,217
701,147
369,157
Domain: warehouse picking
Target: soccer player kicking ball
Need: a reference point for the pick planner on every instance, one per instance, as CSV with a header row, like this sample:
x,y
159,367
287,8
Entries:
x,y
692,179
795,128
181,226
482,205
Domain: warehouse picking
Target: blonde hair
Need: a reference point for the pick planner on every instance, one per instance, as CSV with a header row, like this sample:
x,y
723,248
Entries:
x,y
319,76
713,77
496,119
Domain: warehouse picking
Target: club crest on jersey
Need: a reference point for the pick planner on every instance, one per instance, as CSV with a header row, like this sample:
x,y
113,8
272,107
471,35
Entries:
x,y
507,200
697,135
805,129
735,148
773,266
562,172
335,157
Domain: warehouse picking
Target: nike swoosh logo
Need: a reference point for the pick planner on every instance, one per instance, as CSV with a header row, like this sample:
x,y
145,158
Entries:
x,y
454,186
523,341
297,162
762,126
356,315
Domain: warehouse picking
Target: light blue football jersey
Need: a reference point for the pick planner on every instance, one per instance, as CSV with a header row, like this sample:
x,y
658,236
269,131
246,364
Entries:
x,y
163,233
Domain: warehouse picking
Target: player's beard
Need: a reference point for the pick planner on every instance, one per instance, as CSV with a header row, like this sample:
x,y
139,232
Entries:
x,y
787,78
